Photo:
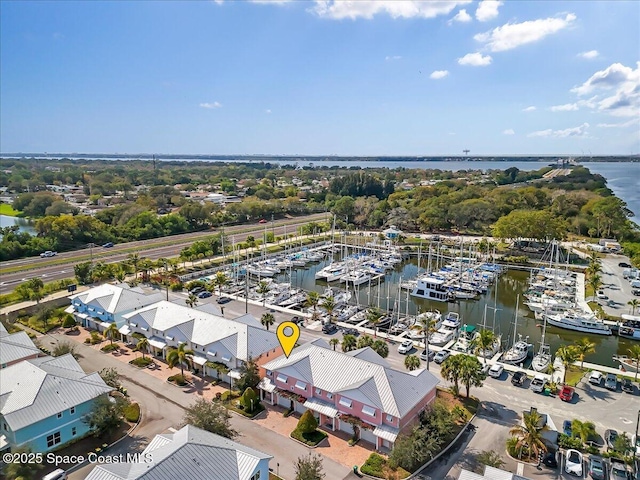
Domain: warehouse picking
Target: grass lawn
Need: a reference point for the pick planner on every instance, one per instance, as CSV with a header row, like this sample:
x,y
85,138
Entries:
x,y
6,209
469,405
312,439
574,375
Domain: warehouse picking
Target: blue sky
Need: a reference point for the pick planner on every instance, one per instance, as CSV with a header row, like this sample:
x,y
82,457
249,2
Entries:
x,y
321,77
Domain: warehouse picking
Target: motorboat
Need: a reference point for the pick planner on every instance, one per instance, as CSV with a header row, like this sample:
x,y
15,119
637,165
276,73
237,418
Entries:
x,y
464,343
431,288
357,277
518,353
579,321
630,327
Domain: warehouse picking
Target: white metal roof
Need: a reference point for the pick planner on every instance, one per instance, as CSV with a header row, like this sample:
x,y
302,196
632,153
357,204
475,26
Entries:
x,y
36,389
394,392
386,432
16,346
188,454
116,298
267,385
320,406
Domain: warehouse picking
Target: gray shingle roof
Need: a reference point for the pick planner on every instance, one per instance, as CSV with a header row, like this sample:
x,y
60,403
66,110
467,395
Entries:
x,y
36,389
242,338
188,454
357,377
15,347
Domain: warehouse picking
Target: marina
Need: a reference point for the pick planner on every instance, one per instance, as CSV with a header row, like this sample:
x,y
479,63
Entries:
x,y
330,271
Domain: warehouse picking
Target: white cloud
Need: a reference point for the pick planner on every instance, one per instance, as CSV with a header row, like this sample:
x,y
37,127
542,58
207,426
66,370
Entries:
x,y
389,58
475,60
529,109
579,131
508,131
623,81
462,16
268,110
211,105
591,54
438,74
626,124
487,10
567,107
512,35
353,9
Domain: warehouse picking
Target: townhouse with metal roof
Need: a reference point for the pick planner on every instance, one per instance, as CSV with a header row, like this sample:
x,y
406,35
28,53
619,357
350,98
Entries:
x,y
338,386
215,340
190,454
100,306
43,402
15,347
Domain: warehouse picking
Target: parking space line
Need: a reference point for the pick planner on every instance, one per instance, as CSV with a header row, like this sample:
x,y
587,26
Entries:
x,y
520,470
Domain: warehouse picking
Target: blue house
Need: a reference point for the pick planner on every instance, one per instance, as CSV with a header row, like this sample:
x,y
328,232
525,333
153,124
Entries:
x,y
43,402
190,454
100,306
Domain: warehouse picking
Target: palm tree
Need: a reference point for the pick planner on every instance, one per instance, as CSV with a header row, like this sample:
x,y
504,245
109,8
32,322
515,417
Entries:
x,y
567,354
134,259
426,326
263,289
635,303
595,282
450,370
146,266
192,301
333,342
634,355
529,433
381,348
373,317
349,342
483,342
221,280
584,347
470,372
267,320
111,331
313,298
584,430
412,362
329,304
181,355
143,345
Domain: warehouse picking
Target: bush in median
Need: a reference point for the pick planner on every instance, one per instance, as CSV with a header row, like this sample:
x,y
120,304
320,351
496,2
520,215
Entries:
x,y
112,347
141,362
132,412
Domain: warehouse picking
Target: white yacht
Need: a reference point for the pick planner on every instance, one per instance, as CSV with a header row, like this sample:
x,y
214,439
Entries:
x,y
414,331
579,321
518,353
448,331
357,277
464,343
331,273
630,327
431,288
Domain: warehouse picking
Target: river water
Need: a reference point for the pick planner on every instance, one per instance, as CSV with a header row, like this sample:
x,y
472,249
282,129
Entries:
x,y
511,284
24,224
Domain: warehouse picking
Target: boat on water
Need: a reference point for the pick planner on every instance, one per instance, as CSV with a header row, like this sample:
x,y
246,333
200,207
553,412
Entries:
x,y
331,273
628,364
579,321
464,343
630,327
415,331
431,288
542,359
448,331
518,353
356,277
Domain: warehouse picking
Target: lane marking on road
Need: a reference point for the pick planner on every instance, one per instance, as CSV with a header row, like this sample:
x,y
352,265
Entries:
x,y
520,470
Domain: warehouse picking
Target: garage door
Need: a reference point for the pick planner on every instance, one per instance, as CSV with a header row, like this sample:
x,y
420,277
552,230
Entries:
x,y
346,427
284,402
300,408
367,435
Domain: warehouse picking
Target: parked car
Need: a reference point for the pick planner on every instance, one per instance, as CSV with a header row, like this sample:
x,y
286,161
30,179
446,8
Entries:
x,y
610,436
405,347
496,370
624,265
566,428
627,386
197,289
423,355
350,331
329,328
441,356
223,300
518,379
108,245
618,469
566,393
262,220
601,295
612,304
48,253
596,468
204,294
550,460
485,369
573,462
57,474
538,383
611,382
596,378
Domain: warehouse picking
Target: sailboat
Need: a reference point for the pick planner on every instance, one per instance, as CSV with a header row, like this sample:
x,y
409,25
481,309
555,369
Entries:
x,y
542,359
495,346
520,350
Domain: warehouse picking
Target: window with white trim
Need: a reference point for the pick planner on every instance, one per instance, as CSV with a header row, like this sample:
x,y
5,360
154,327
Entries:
x,y
301,385
282,378
389,419
72,410
369,411
73,431
318,391
345,402
59,414
53,439
329,395
256,476
226,358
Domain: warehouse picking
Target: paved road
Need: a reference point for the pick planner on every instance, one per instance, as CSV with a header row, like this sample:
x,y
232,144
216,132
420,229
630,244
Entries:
x,y
59,271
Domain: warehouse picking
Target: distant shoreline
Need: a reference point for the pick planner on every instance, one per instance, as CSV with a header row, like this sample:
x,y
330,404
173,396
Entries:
x,y
322,158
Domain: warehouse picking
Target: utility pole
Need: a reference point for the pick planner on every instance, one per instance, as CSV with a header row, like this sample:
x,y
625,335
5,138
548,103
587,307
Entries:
x,y
91,245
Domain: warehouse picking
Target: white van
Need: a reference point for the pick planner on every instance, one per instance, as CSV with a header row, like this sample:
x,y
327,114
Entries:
x,y
57,474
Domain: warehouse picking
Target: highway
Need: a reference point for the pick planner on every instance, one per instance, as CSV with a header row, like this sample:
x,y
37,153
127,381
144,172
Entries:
x,y
61,266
